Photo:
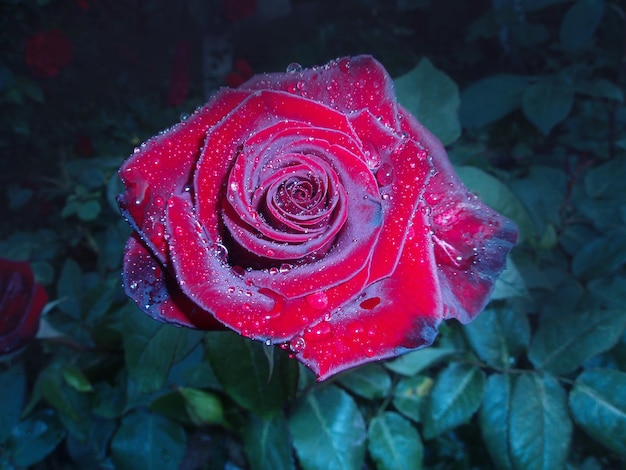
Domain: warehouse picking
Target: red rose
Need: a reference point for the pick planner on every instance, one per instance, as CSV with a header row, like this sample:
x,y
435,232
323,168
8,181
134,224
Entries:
x,y
308,208
47,52
21,302
235,10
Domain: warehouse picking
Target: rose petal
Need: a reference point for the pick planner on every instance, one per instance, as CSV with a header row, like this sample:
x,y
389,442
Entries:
x,y
391,316
471,239
156,292
163,166
348,85
253,311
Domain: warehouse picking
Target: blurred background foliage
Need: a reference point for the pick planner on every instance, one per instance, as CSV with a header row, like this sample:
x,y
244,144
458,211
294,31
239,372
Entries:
x,y
527,95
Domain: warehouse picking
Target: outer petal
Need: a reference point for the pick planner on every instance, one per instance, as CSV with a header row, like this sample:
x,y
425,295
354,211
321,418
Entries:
x,y
156,292
164,165
471,239
390,317
347,85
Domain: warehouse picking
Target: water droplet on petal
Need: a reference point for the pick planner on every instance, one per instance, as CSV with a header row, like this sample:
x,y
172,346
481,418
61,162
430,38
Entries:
x,y
159,201
322,331
384,175
344,64
285,268
317,300
297,344
294,67
221,251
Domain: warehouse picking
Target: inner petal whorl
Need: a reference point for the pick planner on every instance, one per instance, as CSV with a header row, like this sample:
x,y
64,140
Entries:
x,y
291,205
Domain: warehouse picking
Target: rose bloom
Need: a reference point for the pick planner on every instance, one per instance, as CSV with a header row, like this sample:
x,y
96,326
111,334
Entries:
x,y
47,52
309,209
21,303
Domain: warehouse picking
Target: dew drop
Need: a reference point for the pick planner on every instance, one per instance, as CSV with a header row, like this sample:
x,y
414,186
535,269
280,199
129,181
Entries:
x,y
221,251
320,332
317,300
159,201
300,85
384,175
344,64
273,271
184,116
297,344
285,268
294,67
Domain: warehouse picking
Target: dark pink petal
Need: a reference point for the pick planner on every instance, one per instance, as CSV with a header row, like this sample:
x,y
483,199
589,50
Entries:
x,y
256,312
156,292
401,173
390,317
471,239
347,85
164,165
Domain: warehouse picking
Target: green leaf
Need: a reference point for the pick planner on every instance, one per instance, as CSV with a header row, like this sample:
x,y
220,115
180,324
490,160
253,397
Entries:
x,y
491,99
254,381
369,381
394,443
564,342
497,336
88,210
601,88
541,428
494,419
69,288
73,406
542,193
601,256
76,379
598,404
433,98
606,181
151,348
455,397
267,443
546,104
497,196
410,395
328,431
510,283
203,407
580,23
416,361
148,440
33,439
13,386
